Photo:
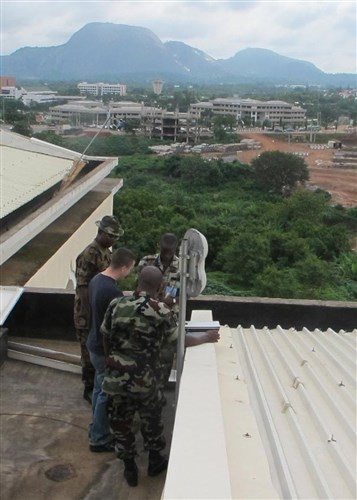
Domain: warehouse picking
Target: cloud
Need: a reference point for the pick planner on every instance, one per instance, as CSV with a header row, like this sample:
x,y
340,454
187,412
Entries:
x,y
322,32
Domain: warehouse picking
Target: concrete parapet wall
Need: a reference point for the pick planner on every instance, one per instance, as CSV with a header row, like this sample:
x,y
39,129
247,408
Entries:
x,y
288,313
48,313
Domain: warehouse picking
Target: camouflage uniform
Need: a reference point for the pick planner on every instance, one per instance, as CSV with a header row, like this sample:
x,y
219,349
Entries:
x,y
170,275
170,278
135,328
93,260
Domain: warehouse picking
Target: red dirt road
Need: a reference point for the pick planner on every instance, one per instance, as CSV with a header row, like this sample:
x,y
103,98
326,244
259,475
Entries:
x,y
339,182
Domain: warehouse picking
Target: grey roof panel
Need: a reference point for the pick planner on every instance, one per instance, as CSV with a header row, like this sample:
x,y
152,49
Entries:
x,y
26,174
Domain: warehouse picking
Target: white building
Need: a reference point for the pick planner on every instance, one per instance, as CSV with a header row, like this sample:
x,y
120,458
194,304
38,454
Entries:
x,y
277,112
39,97
10,92
99,88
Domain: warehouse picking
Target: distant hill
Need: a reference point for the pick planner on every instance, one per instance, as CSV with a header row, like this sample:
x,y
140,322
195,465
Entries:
x,y
117,52
253,63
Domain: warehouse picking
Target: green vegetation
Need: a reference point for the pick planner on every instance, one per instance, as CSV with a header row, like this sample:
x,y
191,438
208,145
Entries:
x,y
264,239
267,235
278,172
261,243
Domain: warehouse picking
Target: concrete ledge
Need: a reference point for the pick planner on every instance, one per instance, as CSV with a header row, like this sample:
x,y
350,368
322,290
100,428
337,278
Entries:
x,y
198,466
36,309
261,311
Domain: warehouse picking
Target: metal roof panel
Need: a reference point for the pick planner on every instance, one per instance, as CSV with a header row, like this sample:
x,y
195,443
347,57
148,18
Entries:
x,y
288,401
26,174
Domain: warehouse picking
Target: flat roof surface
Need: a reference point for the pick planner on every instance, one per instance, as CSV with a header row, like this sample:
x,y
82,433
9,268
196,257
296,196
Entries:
x,y
44,441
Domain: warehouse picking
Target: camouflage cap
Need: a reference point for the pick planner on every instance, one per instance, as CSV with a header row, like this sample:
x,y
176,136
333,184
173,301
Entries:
x,y
110,225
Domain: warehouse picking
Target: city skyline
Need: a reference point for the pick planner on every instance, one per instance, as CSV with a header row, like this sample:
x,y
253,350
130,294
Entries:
x,y
321,32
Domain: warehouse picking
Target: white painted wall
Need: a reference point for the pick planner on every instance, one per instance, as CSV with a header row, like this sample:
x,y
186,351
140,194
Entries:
x,y
59,269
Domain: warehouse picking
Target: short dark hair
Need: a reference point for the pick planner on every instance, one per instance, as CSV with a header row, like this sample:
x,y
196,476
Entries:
x,y
122,257
168,239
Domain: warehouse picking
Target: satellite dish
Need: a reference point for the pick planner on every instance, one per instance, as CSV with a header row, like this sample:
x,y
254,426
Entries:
x,y
197,249
193,253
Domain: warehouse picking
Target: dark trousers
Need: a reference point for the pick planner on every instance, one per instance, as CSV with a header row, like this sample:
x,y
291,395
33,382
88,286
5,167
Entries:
x,y
121,411
88,370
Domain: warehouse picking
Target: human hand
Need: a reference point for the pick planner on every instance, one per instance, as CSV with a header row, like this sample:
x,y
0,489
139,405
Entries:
x,y
170,301
212,335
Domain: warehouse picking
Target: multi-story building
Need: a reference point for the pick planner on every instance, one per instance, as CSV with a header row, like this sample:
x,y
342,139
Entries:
x,y
94,112
8,89
10,93
39,97
276,112
7,81
99,88
154,121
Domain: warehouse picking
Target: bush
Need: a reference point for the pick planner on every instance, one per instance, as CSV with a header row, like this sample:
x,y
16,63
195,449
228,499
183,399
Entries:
x,y
278,172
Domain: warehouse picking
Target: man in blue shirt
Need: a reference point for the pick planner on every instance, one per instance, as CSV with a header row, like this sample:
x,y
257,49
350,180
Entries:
x,y
102,290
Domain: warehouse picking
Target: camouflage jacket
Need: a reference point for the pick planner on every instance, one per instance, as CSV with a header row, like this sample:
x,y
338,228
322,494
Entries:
x,y
171,275
135,328
93,260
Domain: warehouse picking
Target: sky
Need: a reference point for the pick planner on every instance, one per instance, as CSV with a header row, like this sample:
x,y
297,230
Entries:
x,y
321,32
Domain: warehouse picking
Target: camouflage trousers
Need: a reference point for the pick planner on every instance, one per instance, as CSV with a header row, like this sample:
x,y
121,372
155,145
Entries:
x,y
167,356
88,370
121,412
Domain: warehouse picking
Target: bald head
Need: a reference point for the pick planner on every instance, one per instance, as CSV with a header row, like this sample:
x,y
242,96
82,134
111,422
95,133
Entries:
x,y
149,280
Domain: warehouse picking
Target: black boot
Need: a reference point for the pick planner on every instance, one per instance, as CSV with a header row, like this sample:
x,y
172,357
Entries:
x,y
87,394
157,463
131,472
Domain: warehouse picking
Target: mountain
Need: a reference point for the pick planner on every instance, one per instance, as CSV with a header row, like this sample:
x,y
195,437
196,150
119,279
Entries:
x,y
117,52
197,63
253,63
98,50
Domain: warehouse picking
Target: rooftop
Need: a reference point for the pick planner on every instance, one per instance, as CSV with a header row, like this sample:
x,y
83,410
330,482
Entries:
x,y
44,441
264,413
268,413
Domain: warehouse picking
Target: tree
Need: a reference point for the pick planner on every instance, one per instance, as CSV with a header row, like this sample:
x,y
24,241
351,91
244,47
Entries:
x,y
274,282
11,111
278,172
23,128
206,117
131,125
245,257
50,136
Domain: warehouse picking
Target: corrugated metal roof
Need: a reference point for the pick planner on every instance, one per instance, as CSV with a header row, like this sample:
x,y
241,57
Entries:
x,y
17,141
286,395
26,174
303,390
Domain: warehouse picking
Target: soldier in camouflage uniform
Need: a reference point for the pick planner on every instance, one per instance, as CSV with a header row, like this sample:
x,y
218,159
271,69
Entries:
x,y
134,330
91,261
169,264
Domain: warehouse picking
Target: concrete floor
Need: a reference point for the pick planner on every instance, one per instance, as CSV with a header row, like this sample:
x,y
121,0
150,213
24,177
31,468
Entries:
x,y
44,442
